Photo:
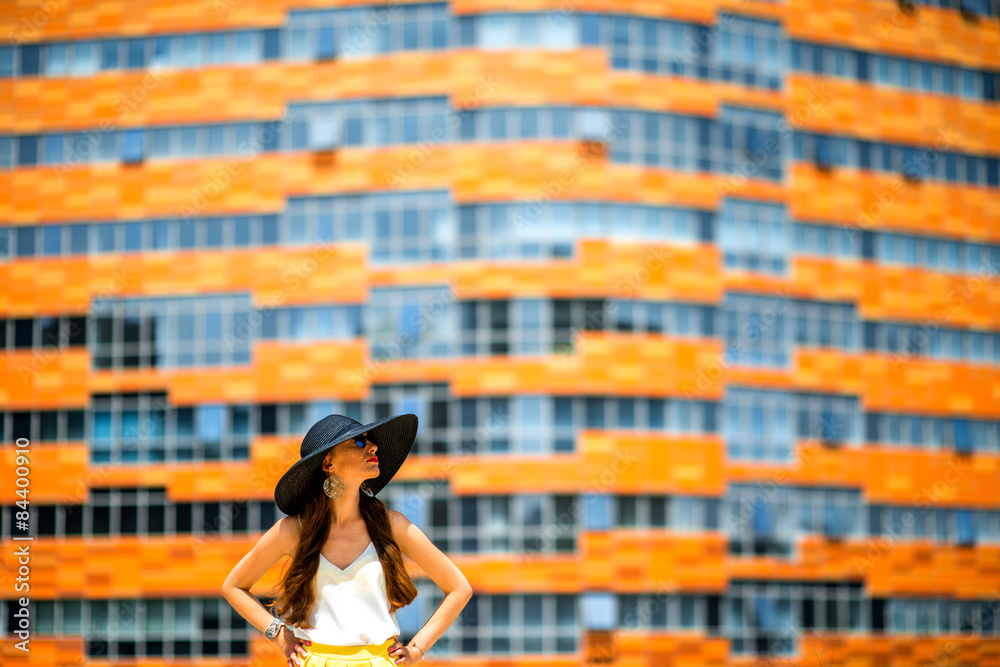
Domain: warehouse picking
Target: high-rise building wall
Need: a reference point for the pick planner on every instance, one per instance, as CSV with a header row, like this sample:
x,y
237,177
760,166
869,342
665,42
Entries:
x,y
697,304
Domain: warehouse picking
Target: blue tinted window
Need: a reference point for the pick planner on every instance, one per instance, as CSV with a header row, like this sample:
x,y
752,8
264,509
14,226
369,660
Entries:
x,y
6,152
52,239
106,237
25,242
589,29
560,123
439,34
78,239
326,43
6,61
136,53
133,236
132,146
109,54
188,233
411,35
269,230
271,44
161,51
30,59
467,30
27,152
862,61
54,149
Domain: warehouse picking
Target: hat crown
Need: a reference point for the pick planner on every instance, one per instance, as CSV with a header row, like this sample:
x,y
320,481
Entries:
x,y
325,431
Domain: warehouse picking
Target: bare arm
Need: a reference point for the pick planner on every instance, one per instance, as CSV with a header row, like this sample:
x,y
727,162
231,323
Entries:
x,y
279,541
414,543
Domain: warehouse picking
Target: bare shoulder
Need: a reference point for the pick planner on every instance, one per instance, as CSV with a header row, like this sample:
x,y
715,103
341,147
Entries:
x,y
288,532
278,541
397,518
399,523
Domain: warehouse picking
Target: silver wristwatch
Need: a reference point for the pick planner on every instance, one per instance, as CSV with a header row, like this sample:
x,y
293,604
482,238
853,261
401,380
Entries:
x,y
272,630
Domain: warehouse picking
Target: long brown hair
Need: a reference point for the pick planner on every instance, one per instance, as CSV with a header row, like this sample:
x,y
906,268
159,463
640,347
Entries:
x,y
295,591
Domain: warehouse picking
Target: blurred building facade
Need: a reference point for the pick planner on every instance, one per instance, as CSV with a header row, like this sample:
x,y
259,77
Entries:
x,y
697,304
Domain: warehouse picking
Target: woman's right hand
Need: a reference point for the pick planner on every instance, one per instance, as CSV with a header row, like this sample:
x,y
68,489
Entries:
x,y
292,647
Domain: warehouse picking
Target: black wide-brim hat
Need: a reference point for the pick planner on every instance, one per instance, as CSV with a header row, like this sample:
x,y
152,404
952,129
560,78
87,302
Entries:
x,y
393,435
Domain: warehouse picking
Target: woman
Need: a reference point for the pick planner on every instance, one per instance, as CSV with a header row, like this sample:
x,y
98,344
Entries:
x,y
337,600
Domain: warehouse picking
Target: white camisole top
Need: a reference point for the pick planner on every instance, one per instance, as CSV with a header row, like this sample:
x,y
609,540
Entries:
x,y
351,607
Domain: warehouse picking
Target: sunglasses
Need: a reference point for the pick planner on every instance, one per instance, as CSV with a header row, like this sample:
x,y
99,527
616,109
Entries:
x,y
362,441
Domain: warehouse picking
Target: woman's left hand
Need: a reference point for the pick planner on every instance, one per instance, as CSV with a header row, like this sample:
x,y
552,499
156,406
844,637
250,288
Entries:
x,y
404,655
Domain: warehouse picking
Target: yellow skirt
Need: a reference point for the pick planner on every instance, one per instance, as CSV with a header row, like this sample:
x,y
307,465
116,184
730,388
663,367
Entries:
x,y
330,655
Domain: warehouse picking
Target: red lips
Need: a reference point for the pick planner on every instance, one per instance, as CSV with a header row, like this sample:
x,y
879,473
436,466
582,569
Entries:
x,y
374,458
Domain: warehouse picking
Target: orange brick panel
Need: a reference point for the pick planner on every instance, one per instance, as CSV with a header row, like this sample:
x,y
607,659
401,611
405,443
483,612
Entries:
x,y
939,122
47,651
99,568
656,648
601,268
277,372
939,35
106,567
617,365
929,299
881,201
622,560
661,649
930,570
29,23
58,475
891,475
263,182
654,560
276,277
45,378
931,33
75,19
919,385
607,461
69,476
598,268
110,100
888,567
623,462
908,650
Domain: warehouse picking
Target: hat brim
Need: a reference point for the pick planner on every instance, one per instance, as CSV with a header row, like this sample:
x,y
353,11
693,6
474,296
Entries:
x,y
394,437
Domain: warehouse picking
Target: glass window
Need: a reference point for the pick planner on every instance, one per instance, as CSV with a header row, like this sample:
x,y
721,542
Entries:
x,y
6,152
30,59
161,52
52,239
109,54
245,52
27,149
6,61
216,48
190,50
25,241
54,144
132,146
55,60
136,53
84,61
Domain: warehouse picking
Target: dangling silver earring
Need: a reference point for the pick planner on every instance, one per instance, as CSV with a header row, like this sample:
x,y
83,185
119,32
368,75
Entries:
x,y
333,486
365,490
